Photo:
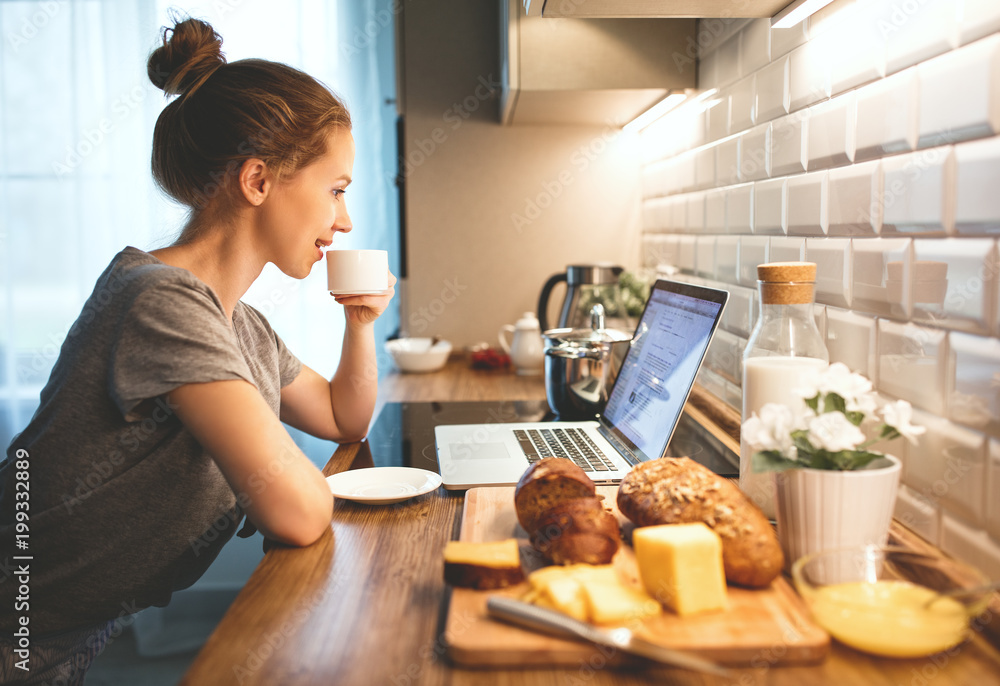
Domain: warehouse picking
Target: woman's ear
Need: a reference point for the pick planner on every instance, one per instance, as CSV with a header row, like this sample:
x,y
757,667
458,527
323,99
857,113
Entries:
x,y
255,181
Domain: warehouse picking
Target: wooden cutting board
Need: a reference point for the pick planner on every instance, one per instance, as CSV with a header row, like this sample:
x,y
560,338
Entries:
x,y
761,627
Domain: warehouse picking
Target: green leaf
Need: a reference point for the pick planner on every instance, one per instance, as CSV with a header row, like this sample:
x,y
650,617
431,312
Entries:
x,y
771,461
855,418
834,403
813,402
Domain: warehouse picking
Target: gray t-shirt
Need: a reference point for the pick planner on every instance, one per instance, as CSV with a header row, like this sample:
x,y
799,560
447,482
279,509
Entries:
x,y
125,506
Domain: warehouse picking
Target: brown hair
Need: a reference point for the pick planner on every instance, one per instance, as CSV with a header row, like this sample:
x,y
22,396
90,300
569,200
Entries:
x,y
227,113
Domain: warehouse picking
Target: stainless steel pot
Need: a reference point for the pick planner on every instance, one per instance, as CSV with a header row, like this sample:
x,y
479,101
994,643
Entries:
x,y
581,366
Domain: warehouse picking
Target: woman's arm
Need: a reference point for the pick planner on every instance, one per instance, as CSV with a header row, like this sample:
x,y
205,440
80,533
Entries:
x,y
281,491
341,409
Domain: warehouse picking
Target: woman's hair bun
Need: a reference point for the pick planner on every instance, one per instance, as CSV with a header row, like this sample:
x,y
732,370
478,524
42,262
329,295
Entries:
x,y
190,53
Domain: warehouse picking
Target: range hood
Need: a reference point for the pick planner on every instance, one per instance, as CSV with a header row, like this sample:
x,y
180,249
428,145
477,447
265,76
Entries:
x,y
593,71
653,8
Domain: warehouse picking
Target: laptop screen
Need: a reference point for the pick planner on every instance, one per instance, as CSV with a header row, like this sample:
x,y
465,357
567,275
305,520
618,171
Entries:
x,y
657,375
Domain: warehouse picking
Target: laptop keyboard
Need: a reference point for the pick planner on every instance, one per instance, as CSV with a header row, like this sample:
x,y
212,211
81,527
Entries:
x,y
574,444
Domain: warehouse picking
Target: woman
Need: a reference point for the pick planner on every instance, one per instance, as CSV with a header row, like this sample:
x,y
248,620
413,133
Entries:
x,y
160,426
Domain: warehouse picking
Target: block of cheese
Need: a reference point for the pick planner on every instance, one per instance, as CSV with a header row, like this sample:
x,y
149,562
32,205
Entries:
x,y
484,566
591,593
681,566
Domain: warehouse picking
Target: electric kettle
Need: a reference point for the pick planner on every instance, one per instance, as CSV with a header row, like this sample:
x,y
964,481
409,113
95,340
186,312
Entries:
x,y
586,286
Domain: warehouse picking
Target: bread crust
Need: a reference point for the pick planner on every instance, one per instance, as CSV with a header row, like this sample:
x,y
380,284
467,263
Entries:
x,y
481,577
679,490
544,485
577,530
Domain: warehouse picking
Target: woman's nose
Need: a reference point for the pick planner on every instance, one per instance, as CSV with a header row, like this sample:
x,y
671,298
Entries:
x,y
343,222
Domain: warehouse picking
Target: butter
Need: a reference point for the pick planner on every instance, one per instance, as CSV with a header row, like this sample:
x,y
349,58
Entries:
x,y
681,566
889,617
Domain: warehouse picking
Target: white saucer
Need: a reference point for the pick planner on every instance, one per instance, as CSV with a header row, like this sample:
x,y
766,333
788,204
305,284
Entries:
x,y
383,485
357,292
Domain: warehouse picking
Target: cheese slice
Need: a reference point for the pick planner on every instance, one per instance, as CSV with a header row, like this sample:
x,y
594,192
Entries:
x,y
681,566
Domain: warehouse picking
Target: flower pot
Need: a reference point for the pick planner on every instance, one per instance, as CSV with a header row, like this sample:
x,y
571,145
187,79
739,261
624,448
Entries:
x,y
820,509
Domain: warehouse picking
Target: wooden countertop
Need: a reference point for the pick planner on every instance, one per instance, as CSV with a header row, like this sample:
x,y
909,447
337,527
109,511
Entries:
x,y
366,603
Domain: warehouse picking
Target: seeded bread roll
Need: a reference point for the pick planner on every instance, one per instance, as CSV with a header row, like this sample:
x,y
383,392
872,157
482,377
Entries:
x,y
577,530
544,485
679,490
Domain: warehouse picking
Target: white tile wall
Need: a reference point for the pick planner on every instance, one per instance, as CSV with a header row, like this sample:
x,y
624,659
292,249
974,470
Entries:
x,y
727,161
973,382
970,544
919,514
953,283
880,269
727,255
742,104
753,251
854,199
704,259
755,153
786,249
979,18
695,212
911,363
833,269
809,74
830,134
772,90
866,139
740,311
806,203
715,210
977,178
739,209
755,50
850,338
769,206
887,116
958,94
857,39
918,191
922,30
788,152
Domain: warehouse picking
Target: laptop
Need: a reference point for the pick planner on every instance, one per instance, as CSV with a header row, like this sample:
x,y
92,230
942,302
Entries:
x,y
667,349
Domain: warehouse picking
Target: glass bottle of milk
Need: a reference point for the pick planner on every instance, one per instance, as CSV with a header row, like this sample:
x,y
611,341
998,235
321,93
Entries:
x,y
785,344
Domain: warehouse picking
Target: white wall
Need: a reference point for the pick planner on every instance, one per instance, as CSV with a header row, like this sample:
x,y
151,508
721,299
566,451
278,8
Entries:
x,y
865,140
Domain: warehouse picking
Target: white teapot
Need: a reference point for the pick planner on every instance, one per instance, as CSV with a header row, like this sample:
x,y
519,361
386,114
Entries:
x,y
526,351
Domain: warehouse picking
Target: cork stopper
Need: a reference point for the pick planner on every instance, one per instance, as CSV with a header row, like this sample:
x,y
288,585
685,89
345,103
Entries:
x,y
786,283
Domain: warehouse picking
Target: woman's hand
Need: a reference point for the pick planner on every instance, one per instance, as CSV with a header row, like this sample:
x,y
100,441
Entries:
x,y
364,309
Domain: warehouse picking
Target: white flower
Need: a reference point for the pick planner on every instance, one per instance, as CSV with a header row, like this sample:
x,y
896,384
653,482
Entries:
x,y
898,415
833,432
771,429
866,404
840,380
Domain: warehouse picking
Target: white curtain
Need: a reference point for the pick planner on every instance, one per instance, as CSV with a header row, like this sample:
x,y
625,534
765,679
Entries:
x,y
76,119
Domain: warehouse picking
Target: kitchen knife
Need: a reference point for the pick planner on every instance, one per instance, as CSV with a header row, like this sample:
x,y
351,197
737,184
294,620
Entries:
x,y
557,624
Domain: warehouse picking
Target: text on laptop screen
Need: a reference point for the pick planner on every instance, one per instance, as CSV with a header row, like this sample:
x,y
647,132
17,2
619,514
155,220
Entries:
x,y
654,382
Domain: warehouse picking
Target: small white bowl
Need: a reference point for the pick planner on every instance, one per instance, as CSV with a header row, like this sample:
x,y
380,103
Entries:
x,y
418,354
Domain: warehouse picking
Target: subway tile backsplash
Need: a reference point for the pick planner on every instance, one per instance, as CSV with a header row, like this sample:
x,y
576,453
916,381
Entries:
x,y
876,154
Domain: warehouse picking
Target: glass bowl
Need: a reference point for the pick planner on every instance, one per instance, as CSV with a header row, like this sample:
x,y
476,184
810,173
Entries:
x,y
875,598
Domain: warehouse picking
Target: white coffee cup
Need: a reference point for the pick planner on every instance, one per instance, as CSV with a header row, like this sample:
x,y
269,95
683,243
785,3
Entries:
x,y
357,272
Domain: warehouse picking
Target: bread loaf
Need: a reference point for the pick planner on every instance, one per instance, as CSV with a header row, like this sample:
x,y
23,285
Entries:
x,y
679,490
577,530
544,485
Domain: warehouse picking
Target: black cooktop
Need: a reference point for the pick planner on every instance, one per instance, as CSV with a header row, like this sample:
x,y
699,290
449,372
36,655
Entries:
x,y
403,434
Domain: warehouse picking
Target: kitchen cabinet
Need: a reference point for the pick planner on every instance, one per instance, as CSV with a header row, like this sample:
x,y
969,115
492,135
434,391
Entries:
x,y
654,8
600,71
